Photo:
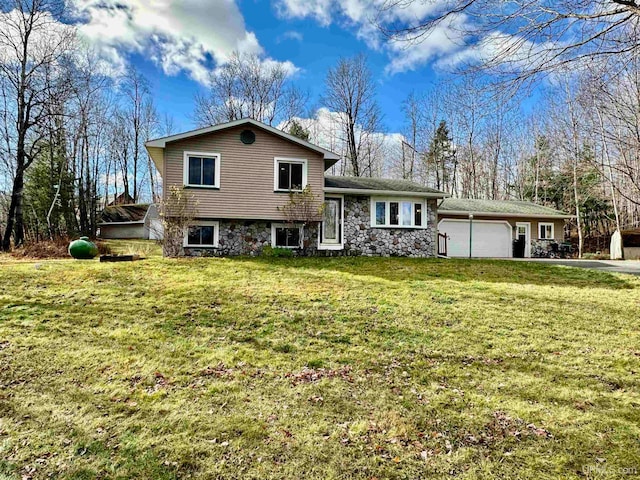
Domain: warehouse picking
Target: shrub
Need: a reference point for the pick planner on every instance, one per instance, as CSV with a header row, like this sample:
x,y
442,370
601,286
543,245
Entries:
x,y
56,248
269,251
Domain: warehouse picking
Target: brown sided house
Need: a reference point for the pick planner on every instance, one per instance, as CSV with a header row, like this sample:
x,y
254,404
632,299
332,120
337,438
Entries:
x,y
239,176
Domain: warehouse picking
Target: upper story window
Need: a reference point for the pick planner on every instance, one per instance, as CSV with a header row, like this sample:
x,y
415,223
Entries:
x,y
290,174
399,213
202,169
545,231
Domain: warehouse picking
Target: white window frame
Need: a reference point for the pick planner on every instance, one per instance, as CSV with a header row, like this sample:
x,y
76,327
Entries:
x,y
216,169
399,200
216,233
547,224
299,226
334,246
276,162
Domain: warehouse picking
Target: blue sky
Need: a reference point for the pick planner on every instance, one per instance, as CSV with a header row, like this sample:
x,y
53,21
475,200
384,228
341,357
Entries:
x,y
311,47
178,44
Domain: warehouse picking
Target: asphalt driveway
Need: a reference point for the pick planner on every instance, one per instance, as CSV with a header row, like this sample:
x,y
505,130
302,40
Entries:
x,y
618,266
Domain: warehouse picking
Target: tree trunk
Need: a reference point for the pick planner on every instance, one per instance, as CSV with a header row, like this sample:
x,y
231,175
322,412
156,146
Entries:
x,y
15,223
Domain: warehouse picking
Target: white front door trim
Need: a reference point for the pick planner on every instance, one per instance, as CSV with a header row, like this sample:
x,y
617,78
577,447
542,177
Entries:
x,y
340,224
527,245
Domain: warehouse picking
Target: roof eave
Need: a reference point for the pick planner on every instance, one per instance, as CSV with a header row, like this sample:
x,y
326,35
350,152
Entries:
x,y
121,223
162,142
502,214
394,193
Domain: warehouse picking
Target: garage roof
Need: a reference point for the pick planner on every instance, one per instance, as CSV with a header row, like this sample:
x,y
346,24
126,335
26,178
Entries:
x,y
378,186
511,208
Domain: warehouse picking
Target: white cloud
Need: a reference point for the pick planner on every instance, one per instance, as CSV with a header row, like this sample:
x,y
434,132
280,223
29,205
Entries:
x,y
190,35
290,35
366,15
443,42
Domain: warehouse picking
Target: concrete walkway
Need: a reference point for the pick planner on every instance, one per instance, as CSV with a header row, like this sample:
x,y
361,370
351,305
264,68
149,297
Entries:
x,y
615,266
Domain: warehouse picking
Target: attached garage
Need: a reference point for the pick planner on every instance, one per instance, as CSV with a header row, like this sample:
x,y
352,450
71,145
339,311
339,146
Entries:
x,y
488,238
500,228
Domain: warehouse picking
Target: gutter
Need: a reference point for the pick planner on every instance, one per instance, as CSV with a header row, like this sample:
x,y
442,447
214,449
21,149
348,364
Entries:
x,y
466,213
394,193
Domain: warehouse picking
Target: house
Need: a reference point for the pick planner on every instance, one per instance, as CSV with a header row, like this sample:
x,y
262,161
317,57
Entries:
x,y
239,176
131,221
491,226
113,199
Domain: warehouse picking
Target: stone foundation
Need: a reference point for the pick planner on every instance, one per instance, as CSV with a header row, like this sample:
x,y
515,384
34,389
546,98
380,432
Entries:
x,y
240,237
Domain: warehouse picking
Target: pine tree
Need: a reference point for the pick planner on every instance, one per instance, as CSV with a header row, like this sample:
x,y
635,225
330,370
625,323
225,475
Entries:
x,y
299,131
441,157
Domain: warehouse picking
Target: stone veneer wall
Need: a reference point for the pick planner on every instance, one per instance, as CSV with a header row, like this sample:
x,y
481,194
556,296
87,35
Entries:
x,y
362,239
241,237
249,237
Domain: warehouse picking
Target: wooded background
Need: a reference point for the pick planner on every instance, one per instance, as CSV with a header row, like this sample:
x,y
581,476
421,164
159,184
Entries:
x,y
556,123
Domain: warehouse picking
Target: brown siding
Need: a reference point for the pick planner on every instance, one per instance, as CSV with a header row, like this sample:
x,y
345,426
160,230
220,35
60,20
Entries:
x,y
246,173
558,229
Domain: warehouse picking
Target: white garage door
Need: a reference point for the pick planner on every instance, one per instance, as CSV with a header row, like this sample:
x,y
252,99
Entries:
x,y
490,238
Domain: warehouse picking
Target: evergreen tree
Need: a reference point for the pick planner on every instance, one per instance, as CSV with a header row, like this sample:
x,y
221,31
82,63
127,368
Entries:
x,y
299,131
441,157
49,191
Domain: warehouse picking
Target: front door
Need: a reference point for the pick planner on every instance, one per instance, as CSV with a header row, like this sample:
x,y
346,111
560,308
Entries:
x,y
523,234
331,222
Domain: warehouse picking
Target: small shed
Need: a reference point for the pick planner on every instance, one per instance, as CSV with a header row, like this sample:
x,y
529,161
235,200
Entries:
x,y
134,221
631,244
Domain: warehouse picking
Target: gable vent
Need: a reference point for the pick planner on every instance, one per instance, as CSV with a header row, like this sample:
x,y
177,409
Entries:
x,y
247,137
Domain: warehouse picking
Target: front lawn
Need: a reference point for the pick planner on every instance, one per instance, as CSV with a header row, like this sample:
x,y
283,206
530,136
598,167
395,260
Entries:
x,y
317,368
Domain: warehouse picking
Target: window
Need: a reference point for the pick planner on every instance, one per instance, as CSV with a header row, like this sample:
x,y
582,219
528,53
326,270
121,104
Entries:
x,y
381,213
286,235
397,213
393,213
546,231
417,220
201,235
290,174
202,169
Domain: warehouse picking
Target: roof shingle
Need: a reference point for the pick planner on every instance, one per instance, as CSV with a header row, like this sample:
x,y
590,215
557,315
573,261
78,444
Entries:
x,y
381,184
511,207
124,213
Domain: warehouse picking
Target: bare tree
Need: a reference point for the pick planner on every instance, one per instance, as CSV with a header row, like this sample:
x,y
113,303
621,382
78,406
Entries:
x,y
520,39
248,86
350,92
32,45
413,122
139,115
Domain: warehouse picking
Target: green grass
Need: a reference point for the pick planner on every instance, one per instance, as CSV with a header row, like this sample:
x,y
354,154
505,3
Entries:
x,y
317,368
144,248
